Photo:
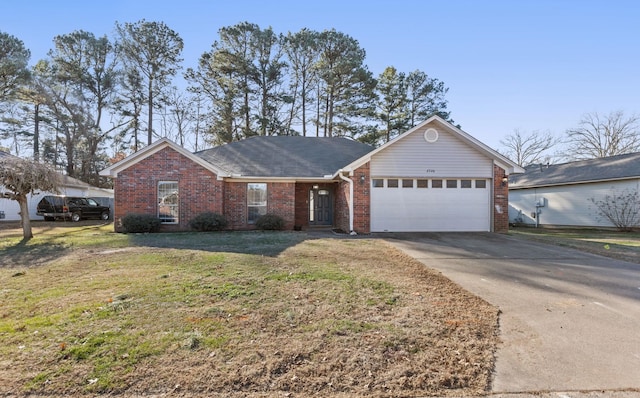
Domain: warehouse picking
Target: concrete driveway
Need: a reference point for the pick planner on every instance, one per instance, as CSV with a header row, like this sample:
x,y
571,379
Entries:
x,y
570,321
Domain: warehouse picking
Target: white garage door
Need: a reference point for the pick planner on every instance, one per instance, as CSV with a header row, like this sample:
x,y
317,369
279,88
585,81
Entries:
x,y
413,205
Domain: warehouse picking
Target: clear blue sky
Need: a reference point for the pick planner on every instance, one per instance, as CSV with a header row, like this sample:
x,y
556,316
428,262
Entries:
x,y
531,65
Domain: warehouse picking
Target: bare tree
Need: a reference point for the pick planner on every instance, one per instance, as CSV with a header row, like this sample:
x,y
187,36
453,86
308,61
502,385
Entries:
x,y
621,208
526,149
19,178
178,116
599,136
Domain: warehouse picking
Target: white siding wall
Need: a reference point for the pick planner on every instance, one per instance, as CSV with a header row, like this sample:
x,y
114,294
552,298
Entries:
x,y
431,209
565,205
415,157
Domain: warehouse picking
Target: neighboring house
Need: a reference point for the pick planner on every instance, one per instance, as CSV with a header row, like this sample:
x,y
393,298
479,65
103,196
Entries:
x,y
10,210
561,194
434,177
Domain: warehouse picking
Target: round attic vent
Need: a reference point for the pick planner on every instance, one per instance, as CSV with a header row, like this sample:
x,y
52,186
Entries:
x,y
431,135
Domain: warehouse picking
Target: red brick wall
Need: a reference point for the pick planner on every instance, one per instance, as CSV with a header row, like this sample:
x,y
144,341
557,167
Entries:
x,y
341,210
500,201
301,219
136,188
362,202
280,201
235,209
302,202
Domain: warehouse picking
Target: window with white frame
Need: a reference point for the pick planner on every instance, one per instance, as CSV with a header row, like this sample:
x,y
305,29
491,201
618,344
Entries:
x,y
168,202
256,201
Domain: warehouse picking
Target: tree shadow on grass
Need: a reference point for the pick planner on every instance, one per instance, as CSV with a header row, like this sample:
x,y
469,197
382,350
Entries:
x,y
266,243
23,255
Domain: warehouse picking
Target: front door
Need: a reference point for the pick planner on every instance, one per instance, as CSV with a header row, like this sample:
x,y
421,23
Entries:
x,y
320,207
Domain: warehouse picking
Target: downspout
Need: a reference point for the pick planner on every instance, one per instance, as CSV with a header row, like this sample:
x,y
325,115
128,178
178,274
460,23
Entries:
x,y
350,201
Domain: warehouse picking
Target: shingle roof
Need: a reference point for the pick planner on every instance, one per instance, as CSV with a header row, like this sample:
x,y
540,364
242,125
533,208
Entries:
x,y
600,169
285,156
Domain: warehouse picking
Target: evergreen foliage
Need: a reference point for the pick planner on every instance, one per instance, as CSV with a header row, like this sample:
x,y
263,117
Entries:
x,y
209,221
270,222
140,223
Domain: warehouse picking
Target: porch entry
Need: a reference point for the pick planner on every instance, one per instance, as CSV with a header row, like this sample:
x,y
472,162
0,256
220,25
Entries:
x,y
320,207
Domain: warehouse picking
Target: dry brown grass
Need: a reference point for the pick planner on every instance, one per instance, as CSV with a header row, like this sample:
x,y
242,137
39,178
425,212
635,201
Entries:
x,y
324,317
604,242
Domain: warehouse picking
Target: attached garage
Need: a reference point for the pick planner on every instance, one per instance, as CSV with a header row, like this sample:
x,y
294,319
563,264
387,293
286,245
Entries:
x,y
411,205
437,178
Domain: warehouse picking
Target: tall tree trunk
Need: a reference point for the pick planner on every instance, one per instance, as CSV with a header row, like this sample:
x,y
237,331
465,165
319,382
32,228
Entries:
x,y
247,115
136,127
24,217
318,112
150,122
388,127
36,133
292,111
197,129
326,116
330,102
304,110
263,121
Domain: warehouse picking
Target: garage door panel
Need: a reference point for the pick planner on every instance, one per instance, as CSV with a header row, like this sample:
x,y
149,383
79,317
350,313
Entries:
x,y
445,209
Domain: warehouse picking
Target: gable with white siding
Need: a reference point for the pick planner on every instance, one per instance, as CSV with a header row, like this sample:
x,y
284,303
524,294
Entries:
x,y
434,177
414,156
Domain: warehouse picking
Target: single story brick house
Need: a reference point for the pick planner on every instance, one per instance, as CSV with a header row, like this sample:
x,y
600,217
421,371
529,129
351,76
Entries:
x,y
561,194
434,177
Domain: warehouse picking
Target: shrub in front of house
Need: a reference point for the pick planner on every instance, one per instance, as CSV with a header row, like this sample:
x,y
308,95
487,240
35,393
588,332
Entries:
x,y
270,222
136,223
208,221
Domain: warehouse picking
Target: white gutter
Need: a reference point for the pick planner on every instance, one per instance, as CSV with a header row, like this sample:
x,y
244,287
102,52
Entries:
x,y
350,201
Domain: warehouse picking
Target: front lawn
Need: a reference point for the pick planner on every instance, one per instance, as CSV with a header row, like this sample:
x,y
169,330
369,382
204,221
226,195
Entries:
x,y
87,311
609,243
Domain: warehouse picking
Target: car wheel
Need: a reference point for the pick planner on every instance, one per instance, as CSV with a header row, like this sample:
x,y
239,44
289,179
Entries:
x,y
75,217
104,216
